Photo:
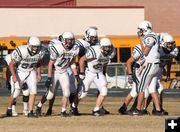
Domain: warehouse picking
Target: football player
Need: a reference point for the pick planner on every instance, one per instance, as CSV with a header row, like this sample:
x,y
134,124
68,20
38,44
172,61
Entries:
x,y
28,58
24,89
61,58
97,57
148,72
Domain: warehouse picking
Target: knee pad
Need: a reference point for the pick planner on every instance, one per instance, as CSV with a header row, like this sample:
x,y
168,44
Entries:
x,y
49,95
16,93
25,92
103,91
25,98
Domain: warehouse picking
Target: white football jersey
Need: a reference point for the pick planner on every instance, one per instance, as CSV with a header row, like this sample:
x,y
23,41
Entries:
x,y
151,40
26,62
137,52
81,42
8,59
60,55
95,59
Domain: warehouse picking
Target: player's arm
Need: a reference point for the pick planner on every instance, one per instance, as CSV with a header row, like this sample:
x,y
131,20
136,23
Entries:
x,y
50,68
39,71
129,69
149,41
129,65
82,63
12,70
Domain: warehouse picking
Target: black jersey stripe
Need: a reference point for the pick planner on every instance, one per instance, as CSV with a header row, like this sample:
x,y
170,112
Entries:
x,y
19,52
78,43
54,49
143,79
138,50
93,52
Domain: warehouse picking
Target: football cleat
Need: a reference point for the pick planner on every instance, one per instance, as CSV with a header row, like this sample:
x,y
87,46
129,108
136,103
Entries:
x,y
25,112
159,113
31,115
38,111
135,112
122,110
103,110
64,114
9,112
14,113
97,113
74,111
49,112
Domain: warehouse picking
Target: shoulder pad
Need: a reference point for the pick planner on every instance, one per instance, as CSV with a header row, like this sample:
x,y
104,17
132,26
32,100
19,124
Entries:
x,y
83,43
150,39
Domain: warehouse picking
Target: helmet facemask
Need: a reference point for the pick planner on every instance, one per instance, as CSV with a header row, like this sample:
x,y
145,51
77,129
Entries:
x,y
68,43
67,39
169,45
168,42
106,50
91,36
34,45
144,28
34,49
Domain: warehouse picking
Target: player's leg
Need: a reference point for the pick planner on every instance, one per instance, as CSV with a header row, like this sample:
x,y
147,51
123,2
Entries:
x,y
73,96
51,103
65,91
128,99
49,95
32,86
145,79
101,83
15,91
25,92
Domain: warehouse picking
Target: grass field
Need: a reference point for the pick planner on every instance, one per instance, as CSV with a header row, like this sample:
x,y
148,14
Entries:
x,y
86,122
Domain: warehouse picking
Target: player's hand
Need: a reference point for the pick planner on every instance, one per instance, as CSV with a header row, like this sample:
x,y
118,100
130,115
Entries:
x,y
48,82
14,78
130,79
81,75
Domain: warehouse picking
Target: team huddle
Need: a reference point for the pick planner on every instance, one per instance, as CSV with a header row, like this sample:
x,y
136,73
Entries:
x,y
75,63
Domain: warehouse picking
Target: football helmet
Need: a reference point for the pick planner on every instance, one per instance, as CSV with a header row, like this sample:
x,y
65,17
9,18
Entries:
x,y
106,46
91,35
67,39
168,42
144,27
34,45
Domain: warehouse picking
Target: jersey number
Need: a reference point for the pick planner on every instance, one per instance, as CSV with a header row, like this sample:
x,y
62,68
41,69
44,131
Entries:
x,y
97,66
64,62
26,65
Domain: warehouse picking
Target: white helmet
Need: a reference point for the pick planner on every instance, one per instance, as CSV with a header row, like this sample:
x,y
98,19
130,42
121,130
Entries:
x,y
168,42
67,38
34,44
161,35
106,46
91,35
144,27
